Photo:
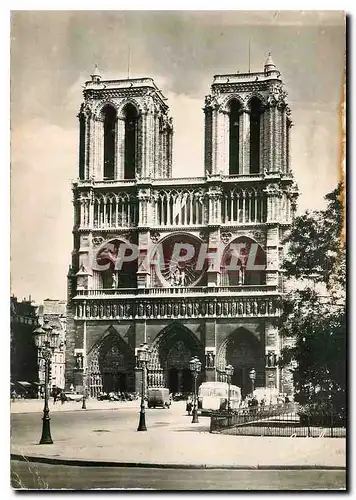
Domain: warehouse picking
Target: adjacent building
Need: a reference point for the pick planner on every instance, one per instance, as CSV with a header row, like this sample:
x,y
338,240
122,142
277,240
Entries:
x,y
27,365
23,352
55,312
214,290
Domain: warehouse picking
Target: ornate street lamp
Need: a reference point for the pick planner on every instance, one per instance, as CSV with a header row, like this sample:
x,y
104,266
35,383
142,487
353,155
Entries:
x,y
195,368
143,356
270,384
252,376
229,370
46,340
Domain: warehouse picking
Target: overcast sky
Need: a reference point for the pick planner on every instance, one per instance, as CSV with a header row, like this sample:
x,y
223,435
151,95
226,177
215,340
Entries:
x,y
52,55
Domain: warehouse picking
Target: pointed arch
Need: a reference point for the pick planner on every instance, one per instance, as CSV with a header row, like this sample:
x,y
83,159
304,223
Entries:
x,y
130,115
234,108
243,350
111,363
171,352
239,261
110,132
256,109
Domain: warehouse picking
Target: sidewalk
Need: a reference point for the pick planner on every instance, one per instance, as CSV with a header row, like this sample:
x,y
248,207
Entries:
x,y
172,440
36,405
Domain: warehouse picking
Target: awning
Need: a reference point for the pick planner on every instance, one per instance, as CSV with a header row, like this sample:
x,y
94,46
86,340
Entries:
x,y
24,384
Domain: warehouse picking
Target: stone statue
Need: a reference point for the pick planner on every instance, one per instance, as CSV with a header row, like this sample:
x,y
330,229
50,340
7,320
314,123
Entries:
x,y
271,359
210,359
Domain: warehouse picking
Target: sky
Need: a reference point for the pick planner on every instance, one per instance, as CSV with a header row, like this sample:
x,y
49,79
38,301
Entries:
x,y
53,54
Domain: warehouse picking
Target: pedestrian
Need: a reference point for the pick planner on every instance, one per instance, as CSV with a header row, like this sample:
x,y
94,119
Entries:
x,y
189,405
63,397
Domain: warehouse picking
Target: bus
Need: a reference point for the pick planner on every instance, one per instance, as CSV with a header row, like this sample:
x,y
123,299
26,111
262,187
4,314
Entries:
x,y
213,396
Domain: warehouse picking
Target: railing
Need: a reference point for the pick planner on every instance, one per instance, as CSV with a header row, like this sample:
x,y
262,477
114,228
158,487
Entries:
x,y
211,290
277,420
234,77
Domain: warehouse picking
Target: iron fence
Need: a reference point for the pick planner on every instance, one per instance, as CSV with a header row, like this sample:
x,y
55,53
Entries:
x,y
286,420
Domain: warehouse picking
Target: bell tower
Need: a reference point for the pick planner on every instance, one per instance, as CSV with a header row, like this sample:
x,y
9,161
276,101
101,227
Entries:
x,y
247,124
125,130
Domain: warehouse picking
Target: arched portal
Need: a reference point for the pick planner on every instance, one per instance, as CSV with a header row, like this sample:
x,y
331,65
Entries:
x,y
243,351
111,365
171,352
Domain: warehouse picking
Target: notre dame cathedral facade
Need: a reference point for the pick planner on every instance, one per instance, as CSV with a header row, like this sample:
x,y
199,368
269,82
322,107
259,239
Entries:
x,y
126,197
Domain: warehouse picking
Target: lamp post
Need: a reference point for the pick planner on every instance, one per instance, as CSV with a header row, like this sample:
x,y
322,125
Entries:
x,y
143,355
252,375
195,368
46,340
229,370
84,400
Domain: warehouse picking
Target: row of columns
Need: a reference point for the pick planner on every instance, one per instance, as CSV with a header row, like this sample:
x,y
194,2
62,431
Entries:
x,y
274,140
272,206
153,147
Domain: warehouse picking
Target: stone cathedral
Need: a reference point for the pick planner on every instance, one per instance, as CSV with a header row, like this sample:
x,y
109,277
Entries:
x,y
125,197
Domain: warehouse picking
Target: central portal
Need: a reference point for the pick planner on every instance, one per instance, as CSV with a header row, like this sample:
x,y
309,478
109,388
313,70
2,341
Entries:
x,y
179,380
178,375
172,351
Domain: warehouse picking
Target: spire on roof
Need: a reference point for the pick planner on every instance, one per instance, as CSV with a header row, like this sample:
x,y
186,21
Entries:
x,y
270,67
96,77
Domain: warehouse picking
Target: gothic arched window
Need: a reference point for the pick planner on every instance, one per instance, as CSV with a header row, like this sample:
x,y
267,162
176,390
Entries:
x,y
110,121
131,122
234,134
255,127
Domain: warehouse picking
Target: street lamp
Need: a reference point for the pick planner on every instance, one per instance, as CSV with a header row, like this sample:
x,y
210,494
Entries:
x,y
195,368
252,375
84,405
143,355
229,370
46,340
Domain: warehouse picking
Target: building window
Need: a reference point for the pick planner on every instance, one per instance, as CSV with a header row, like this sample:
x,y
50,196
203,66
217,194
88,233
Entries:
x,y
110,122
255,128
234,134
131,122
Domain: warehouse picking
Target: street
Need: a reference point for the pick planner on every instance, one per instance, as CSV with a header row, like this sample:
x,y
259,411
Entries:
x,y
34,476
172,454
26,427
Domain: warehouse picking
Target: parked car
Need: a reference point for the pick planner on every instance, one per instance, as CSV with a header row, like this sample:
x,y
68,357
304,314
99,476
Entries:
x,y
158,396
71,396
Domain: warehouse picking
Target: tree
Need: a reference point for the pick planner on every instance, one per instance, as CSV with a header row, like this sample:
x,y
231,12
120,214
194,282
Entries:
x,y
313,319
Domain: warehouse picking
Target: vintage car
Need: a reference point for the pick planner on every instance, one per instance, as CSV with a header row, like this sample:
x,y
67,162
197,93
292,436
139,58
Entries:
x,y
71,396
158,396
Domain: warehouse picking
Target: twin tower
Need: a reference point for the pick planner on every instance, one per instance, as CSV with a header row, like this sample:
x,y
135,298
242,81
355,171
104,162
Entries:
x,y
126,132
125,194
